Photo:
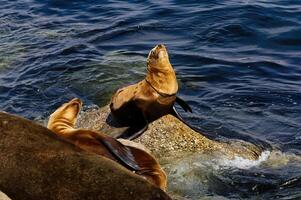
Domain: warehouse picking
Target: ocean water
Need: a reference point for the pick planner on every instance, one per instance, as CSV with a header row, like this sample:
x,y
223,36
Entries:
x,y
238,64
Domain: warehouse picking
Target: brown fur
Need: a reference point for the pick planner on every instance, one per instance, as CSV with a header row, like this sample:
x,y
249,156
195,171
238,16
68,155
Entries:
x,y
62,122
144,96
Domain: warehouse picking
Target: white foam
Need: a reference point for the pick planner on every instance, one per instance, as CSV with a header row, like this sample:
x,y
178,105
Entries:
x,y
243,163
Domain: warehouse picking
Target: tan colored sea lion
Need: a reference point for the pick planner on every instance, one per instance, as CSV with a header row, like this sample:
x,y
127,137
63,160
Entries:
x,y
153,97
62,123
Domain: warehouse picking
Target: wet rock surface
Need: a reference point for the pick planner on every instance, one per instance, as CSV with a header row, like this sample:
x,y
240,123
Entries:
x,y
36,164
168,137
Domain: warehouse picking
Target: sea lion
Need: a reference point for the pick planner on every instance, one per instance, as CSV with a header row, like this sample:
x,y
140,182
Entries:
x,y
153,97
62,123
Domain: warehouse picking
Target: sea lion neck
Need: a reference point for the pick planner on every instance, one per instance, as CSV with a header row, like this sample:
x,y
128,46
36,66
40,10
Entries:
x,y
162,79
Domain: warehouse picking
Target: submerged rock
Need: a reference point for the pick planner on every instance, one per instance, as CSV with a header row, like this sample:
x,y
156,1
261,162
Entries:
x,y
168,137
36,164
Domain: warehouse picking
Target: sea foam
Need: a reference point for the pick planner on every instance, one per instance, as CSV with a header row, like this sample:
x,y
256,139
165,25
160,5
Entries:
x,y
243,163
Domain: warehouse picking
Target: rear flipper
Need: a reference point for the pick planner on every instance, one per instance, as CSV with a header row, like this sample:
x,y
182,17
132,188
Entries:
x,y
121,152
186,108
150,168
183,104
135,159
175,113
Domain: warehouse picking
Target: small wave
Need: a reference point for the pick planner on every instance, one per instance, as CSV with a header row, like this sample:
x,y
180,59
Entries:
x,y
243,163
269,159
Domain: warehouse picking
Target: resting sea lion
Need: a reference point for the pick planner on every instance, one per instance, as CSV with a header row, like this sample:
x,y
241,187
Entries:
x,y
153,97
62,123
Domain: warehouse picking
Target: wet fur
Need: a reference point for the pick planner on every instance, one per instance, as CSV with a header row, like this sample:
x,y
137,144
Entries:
x,y
142,102
62,122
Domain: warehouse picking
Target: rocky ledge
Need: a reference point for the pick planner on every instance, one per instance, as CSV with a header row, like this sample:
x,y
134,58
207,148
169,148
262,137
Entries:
x,y
168,137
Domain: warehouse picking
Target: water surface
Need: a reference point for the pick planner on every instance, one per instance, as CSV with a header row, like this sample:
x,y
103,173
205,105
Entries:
x,y
237,63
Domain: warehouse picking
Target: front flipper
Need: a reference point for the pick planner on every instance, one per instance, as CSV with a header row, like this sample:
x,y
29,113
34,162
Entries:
x,y
183,104
121,152
130,115
134,131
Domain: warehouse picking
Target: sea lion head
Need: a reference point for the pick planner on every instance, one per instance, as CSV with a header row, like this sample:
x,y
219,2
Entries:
x,y
67,112
160,73
158,58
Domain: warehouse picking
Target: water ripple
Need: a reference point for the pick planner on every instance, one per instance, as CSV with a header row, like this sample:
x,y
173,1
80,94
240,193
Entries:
x,y
237,62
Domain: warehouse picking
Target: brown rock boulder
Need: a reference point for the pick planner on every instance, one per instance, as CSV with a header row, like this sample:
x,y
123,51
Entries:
x,y
168,137
36,164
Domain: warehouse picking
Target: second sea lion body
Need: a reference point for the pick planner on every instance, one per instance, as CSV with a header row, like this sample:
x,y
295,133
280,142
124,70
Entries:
x,y
126,153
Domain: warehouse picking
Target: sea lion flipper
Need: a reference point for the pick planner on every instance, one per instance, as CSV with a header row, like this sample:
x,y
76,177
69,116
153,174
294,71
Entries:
x,y
137,133
120,151
183,104
134,131
138,122
175,113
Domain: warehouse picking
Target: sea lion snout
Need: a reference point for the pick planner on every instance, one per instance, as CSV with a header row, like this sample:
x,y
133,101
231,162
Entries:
x,y
160,47
76,101
67,112
75,105
158,52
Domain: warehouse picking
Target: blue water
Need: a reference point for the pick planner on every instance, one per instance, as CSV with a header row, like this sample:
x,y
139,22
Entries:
x,y
238,63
